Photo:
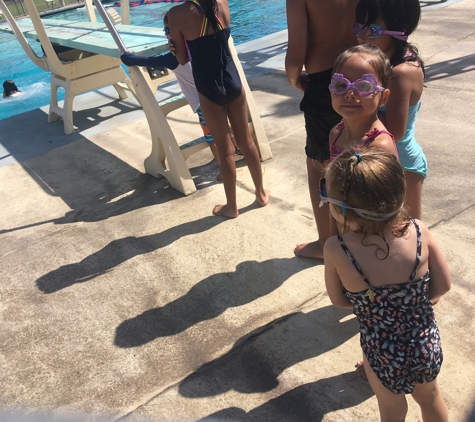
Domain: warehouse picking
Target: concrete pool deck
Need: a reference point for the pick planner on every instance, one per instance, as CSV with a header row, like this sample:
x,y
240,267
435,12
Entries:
x,y
122,299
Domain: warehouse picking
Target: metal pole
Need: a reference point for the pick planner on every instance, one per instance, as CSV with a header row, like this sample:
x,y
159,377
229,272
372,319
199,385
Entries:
x,y
110,26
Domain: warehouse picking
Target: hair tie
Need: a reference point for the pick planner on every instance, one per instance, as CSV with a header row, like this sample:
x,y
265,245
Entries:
x,y
358,157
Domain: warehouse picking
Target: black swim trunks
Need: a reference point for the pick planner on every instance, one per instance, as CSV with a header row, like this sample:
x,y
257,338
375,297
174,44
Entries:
x,y
320,118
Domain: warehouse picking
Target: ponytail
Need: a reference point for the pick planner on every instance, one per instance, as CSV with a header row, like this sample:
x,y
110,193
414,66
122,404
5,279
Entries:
x,y
210,8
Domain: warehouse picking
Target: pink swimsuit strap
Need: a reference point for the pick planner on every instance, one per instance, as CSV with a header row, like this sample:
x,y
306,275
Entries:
x,y
371,136
335,150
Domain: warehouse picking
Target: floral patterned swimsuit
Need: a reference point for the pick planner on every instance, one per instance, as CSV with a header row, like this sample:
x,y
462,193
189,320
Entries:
x,y
398,330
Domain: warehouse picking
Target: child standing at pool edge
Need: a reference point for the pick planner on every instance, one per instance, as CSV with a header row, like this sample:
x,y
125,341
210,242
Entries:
x,y
204,26
184,76
387,24
367,268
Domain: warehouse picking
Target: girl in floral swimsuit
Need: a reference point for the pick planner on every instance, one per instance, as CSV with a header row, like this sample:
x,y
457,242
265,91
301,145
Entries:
x,y
388,268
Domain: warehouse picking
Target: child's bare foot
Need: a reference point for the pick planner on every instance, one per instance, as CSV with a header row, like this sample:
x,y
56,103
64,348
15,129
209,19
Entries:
x,y
360,369
309,250
219,177
263,198
222,211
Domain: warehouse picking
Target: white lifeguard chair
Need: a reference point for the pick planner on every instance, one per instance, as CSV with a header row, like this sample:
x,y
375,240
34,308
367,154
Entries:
x,y
74,70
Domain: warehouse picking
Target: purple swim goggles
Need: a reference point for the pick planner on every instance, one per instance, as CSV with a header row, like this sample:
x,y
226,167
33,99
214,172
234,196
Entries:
x,y
374,31
364,86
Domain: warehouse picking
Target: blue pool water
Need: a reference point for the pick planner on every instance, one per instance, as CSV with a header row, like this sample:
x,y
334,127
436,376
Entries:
x,y
251,19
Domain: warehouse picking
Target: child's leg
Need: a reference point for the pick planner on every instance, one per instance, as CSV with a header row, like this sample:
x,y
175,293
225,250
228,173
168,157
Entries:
x,y
209,140
217,122
214,150
237,114
430,400
413,200
315,171
392,407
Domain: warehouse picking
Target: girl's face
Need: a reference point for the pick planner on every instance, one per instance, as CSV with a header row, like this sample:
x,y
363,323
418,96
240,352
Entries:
x,y
351,105
384,42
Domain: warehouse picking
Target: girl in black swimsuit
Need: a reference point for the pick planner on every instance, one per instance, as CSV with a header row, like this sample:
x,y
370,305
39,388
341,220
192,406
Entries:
x,y
200,33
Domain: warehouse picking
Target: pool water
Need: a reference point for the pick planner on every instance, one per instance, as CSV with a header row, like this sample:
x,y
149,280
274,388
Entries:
x,y
251,19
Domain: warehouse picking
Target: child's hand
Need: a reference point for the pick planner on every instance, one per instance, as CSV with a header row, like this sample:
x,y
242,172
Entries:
x,y
125,57
302,82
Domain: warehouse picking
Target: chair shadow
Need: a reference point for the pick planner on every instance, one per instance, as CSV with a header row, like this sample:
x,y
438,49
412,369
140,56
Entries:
x,y
308,402
97,185
208,299
256,361
449,68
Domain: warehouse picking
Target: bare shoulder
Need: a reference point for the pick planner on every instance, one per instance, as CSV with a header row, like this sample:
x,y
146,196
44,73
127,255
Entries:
x,y
331,248
425,232
296,8
407,73
385,142
177,12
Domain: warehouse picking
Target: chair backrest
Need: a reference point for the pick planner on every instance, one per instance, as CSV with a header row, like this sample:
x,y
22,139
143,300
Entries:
x,y
41,62
115,17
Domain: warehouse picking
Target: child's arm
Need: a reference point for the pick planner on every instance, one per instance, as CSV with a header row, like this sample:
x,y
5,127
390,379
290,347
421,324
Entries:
x,y
438,268
331,249
297,21
167,60
397,107
174,15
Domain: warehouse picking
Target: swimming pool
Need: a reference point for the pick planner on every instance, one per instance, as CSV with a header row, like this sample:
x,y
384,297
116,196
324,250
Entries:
x,y
251,19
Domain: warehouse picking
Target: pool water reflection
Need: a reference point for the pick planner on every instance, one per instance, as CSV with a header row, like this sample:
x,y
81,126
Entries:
x,y
250,20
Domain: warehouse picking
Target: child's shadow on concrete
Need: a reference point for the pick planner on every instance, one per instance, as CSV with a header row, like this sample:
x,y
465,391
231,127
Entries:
x,y
208,299
308,402
256,361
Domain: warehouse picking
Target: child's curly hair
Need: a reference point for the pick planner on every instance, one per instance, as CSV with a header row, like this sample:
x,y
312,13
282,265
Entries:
x,y
373,180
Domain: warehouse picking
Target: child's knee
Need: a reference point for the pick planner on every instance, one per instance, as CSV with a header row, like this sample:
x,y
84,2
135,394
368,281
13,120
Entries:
x,y
426,393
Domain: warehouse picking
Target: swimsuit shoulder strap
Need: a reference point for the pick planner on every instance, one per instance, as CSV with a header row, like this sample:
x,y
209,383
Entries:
x,y
205,23
340,127
418,250
353,261
371,136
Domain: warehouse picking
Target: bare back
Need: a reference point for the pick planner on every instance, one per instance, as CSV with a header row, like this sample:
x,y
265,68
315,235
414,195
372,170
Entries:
x,y
330,32
188,18
319,31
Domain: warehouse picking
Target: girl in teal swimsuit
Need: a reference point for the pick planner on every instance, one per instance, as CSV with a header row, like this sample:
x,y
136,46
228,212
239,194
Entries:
x,y
203,26
387,24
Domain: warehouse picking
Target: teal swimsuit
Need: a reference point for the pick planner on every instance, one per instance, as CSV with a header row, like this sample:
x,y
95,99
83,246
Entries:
x,y
411,156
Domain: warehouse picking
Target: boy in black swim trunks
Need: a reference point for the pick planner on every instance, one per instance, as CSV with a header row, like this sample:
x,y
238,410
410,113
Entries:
x,y
319,31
